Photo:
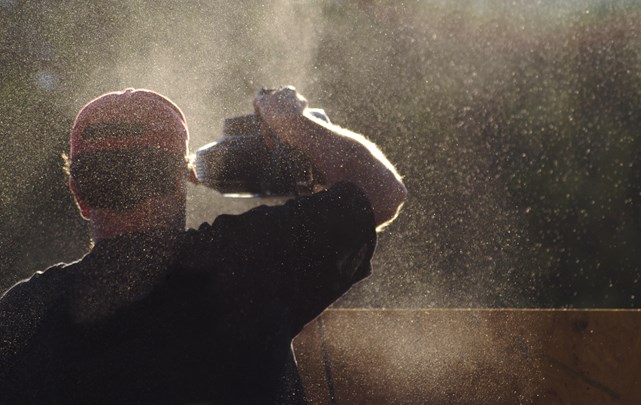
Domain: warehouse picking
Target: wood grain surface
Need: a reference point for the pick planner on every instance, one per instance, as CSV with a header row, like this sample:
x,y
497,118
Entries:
x,y
472,356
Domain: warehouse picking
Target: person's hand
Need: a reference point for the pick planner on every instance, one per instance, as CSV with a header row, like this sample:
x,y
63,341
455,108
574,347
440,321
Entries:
x,y
280,109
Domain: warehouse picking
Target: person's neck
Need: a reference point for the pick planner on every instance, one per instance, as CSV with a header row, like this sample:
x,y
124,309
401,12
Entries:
x,y
162,213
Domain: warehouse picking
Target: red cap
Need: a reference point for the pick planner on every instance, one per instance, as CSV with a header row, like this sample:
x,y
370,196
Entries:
x,y
129,119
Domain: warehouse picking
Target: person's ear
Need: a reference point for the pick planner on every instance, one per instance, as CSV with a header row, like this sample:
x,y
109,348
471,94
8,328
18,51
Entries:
x,y
84,210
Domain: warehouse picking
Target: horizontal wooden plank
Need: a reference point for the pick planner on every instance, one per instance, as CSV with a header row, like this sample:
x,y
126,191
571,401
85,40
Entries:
x,y
472,356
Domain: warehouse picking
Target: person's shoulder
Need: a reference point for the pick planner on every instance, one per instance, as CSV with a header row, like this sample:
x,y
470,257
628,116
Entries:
x,y
25,304
39,282
30,296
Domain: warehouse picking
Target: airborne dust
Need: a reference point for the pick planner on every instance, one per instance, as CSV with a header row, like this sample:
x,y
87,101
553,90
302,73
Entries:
x,y
515,125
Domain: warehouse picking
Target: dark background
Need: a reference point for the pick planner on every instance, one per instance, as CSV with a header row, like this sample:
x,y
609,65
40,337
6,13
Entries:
x,y
517,127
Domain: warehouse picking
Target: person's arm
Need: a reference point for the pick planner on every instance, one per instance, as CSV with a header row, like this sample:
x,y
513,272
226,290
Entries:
x,y
339,154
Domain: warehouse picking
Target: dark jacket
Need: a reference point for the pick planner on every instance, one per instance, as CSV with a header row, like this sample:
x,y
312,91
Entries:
x,y
204,316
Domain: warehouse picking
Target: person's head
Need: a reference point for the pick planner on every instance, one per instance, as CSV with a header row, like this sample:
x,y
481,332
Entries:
x,y
128,162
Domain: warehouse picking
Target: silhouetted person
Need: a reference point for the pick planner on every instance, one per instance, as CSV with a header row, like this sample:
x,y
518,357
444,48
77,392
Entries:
x,y
154,314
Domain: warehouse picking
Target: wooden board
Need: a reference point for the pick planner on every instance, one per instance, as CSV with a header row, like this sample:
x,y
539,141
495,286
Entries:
x,y
476,356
